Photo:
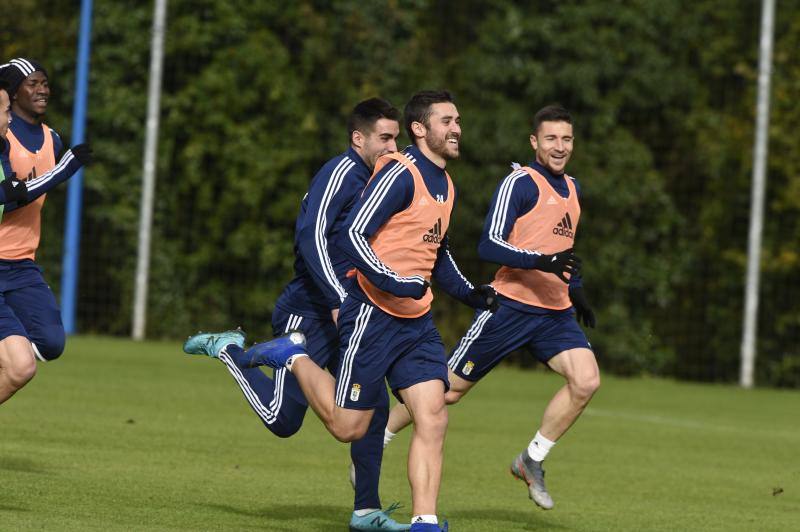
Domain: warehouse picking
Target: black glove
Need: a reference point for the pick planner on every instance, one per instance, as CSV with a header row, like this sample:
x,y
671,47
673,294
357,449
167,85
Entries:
x,y
14,190
483,297
582,309
423,290
560,263
83,152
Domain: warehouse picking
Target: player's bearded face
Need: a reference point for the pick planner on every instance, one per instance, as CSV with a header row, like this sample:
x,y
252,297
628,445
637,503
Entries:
x,y
381,140
444,130
553,143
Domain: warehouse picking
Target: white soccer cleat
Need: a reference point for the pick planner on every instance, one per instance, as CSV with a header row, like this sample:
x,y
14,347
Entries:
x,y
530,471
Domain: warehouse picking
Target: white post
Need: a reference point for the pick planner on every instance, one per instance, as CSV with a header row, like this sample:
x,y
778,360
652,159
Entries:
x,y
749,333
149,177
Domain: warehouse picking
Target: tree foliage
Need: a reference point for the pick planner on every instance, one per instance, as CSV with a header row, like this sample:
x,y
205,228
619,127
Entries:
x,y
254,100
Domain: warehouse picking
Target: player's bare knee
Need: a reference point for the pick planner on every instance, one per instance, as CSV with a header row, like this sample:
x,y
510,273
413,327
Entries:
x,y
432,422
348,434
452,397
20,372
347,430
585,387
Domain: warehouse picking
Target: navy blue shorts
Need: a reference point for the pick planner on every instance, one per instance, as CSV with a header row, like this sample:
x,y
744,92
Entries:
x,y
375,345
493,336
322,344
28,308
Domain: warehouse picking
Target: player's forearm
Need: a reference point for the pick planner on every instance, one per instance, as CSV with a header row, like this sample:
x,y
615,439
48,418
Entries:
x,y
357,249
66,168
499,251
449,278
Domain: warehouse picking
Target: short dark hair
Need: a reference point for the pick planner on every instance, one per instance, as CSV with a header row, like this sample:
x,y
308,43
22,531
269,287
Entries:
x,y
365,114
551,113
4,86
418,108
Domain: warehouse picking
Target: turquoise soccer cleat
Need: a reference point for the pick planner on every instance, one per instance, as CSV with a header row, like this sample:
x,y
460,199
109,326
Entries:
x,y
211,344
377,521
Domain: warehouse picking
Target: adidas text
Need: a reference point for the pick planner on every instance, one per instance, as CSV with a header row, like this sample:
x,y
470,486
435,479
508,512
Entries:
x,y
434,234
563,232
564,227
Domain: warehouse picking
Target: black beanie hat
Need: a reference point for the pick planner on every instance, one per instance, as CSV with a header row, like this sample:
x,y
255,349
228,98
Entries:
x,y
16,70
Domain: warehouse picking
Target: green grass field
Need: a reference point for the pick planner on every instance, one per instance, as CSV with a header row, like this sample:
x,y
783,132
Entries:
x,y
125,436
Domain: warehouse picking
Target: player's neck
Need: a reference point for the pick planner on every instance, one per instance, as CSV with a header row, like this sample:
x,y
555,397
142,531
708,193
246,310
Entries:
x,y
549,170
438,160
363,156
30,118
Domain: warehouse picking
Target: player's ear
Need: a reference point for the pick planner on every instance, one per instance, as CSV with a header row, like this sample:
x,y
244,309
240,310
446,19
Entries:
x,y
419,129
357,139
534,142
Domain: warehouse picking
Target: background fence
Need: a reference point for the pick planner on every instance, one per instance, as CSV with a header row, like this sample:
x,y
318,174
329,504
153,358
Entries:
x,y
254,100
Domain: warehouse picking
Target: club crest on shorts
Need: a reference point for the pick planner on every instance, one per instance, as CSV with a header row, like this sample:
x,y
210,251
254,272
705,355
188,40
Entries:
x,y
467,369
355,392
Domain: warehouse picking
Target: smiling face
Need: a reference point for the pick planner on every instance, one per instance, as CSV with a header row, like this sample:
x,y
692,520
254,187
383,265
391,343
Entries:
x,y
380,140
439,138
31,99
552,143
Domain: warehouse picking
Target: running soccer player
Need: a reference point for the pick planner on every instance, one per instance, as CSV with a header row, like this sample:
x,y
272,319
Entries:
x,y
530,231
30,321
310,303
397,239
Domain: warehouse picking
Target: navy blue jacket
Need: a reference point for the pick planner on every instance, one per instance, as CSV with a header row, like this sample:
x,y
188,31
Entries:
x,y
320,270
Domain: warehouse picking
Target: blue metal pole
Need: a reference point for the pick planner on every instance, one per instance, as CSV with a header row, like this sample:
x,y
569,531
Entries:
x,y
72,230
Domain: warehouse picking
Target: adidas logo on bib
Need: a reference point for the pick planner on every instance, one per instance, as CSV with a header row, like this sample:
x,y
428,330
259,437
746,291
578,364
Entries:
x,y
564,227
434,234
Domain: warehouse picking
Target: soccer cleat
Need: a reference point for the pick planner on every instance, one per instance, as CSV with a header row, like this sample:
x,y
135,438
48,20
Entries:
x,y
276,352
212,343
530,471
377,520
427,527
